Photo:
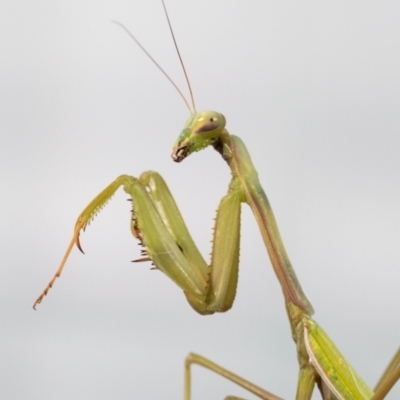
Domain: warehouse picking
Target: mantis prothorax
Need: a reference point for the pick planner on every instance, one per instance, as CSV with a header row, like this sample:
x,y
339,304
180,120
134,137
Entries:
x,y
157,224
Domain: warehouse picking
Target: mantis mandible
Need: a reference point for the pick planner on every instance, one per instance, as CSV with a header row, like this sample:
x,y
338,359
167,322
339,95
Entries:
x,y
209,288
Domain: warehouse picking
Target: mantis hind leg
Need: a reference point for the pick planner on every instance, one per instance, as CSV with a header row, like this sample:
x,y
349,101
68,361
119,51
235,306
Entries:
x,y
205,363
389,378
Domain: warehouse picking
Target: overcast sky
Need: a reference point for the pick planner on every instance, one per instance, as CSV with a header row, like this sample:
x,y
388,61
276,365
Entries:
x,y
313,89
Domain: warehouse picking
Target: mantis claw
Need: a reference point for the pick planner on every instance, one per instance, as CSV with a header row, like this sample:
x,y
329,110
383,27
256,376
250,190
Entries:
x,y
78,244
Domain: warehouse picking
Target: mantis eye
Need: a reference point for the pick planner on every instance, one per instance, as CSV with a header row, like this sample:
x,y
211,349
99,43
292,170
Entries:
x,y
209,123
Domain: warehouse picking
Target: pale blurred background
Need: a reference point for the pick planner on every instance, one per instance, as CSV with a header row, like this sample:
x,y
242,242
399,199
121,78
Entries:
x,y
314,91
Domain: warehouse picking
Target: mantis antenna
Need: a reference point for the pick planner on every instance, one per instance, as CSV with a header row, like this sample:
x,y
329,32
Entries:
x,y
158,65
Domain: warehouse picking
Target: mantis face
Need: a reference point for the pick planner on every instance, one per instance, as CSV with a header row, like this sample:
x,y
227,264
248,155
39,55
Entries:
x,y
201,130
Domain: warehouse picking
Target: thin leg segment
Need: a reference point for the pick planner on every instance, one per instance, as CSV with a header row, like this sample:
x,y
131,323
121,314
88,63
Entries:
x,y
389,378
205,363
305,383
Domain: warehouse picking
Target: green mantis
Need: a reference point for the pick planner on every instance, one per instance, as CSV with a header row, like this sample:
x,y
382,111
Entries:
x,y
157,224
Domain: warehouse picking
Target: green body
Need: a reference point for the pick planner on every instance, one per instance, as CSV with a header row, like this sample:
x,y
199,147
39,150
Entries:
x,y
158,225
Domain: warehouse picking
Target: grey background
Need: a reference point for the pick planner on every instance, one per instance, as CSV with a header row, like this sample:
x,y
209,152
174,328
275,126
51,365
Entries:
x,y
312,88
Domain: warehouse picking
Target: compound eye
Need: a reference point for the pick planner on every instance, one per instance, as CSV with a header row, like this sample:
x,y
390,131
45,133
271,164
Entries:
x,y
208,124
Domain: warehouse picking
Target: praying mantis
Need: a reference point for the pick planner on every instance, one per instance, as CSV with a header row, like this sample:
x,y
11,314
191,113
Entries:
x,y
158,225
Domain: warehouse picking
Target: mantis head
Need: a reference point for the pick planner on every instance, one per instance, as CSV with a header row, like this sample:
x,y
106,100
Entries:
x,y
201,130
